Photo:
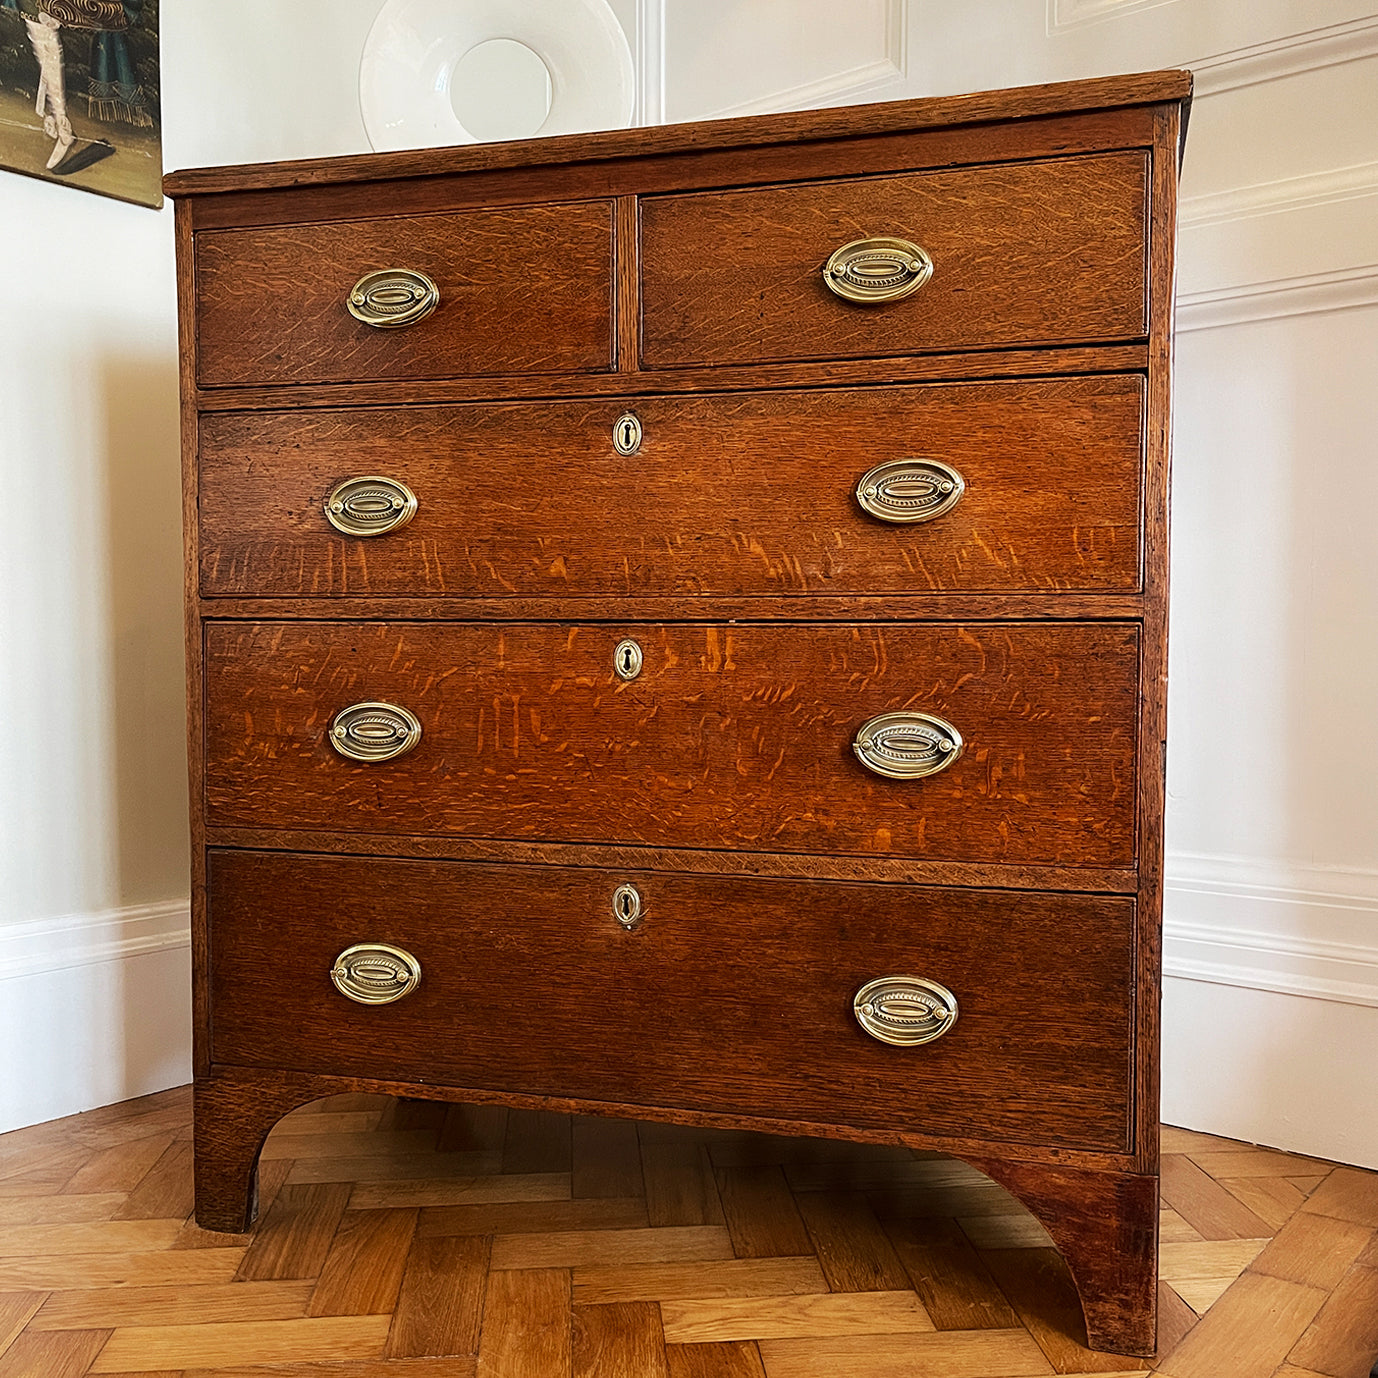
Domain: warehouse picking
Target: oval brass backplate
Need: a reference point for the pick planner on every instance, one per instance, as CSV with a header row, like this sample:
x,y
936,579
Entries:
x,y
905,1010
626,906
374,732
627,659
375,973
871,271
392,298
626,433
910,490
370,505
907,746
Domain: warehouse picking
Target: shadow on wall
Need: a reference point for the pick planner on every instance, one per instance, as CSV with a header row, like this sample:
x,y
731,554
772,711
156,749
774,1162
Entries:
x,y
143,512
149,1017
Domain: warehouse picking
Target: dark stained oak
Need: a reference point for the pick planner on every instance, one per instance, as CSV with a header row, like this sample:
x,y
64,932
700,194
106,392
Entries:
x,y
1032,253
734,995
730,736
271,303
676,271
740,493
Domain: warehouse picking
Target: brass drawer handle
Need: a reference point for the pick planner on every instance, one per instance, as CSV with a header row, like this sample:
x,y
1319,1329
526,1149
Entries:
x,y
910,490
374,731
907,746
370,505
375,973
905,1010
392,298
871,271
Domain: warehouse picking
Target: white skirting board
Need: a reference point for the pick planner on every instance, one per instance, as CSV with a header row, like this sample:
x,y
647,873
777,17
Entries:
x,y
94,1009
1270,1005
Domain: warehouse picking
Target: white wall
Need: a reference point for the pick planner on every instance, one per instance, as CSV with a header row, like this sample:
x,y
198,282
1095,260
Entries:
x,y
92,780
1272,1001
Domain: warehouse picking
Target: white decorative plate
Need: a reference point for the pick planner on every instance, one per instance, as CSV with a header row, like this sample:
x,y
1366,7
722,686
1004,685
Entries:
x,y
424,59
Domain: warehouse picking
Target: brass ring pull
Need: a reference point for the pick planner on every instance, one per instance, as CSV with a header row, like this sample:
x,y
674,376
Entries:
x,y
370,505
375,973
905,1010
871,271
392,298
910,490
907,746
374,732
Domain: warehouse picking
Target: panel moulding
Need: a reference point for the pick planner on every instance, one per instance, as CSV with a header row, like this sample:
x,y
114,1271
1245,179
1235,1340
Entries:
x,y
1341,290
650,62
1076,14
891,66
1286,57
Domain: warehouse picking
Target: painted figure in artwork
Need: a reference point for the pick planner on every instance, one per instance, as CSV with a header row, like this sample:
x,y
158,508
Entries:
x,y
113,93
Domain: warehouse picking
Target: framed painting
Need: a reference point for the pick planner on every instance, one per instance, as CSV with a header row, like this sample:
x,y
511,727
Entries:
x,y
79,95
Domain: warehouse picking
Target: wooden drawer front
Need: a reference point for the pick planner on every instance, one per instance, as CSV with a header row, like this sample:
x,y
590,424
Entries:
x,y
745,494
1023,253
737,736
733,995
527,289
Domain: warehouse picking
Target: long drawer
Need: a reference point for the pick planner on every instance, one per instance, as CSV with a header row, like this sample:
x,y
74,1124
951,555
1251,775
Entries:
x,y
731,995
729,736
1035,253
732,494
521,289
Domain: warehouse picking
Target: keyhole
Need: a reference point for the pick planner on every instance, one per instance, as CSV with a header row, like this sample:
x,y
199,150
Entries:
x,y
627,659
626,906
626,434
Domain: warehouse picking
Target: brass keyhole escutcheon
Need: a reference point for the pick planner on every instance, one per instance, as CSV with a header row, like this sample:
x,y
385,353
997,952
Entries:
x,y
626,906
627,660
626,434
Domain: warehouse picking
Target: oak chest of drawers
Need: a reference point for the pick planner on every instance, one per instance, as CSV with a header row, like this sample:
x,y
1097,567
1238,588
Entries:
x,y
676,628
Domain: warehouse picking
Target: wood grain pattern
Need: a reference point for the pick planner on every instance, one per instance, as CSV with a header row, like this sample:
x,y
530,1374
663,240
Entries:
x,y
1031,253
440,1308
623,1313
679,1004
997,364
721,498
271,302
732,736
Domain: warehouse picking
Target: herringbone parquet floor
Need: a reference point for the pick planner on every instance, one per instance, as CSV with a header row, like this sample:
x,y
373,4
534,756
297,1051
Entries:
x,y
402,1239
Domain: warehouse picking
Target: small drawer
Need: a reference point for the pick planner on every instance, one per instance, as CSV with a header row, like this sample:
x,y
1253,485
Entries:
x,y
742,736
731,995
520,290
1038,253
731,494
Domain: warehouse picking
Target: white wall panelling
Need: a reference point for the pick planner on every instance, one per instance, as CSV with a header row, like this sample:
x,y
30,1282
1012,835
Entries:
x,y
1308,51
1072,14
726,59
650,61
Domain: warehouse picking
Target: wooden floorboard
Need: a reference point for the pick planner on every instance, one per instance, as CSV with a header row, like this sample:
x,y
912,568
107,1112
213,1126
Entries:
x,y
406,1239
